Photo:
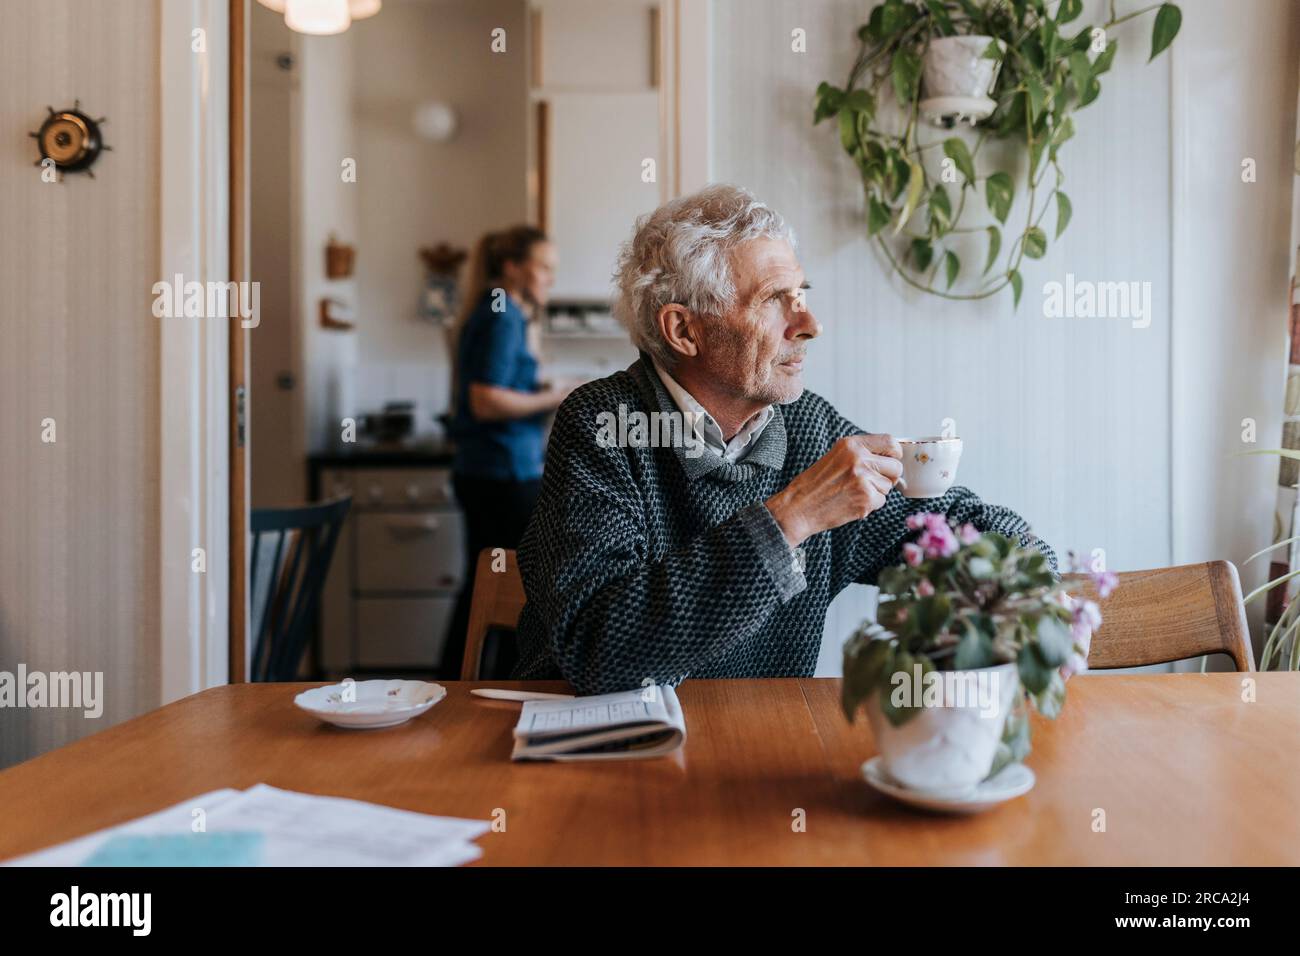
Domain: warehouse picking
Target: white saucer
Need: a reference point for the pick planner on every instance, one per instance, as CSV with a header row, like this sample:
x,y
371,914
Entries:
x,y
378,703
1012,781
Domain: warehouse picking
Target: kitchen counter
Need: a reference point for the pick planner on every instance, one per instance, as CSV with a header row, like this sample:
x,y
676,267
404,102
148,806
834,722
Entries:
x,y
414,453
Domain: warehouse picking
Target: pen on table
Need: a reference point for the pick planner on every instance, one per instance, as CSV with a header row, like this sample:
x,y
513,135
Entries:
x,y
494,694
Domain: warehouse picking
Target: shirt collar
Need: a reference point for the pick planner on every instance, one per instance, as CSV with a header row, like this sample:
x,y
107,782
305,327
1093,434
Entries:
x,y
707,429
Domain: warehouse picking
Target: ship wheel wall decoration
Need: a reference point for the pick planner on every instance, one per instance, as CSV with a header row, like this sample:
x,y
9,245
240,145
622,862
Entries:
x,y
70,140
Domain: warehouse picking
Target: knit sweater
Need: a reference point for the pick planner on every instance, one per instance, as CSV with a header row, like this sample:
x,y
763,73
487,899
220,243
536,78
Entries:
x,y
641,563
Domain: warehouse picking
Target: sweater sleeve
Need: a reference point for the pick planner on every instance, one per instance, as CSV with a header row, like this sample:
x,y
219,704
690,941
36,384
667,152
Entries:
x,y
607,611
876,542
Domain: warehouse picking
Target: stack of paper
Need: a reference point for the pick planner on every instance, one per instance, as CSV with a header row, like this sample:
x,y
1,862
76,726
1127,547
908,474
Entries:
x,y
646,722
264,826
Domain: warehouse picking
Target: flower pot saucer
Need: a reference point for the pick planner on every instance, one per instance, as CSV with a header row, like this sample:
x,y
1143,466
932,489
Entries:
x,y
1012,781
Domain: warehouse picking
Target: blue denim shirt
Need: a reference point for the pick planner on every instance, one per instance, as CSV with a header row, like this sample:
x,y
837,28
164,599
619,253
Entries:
x,y
492,350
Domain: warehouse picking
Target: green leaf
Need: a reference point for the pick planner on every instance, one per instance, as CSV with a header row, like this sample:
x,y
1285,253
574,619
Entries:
x,y
1035,673
981,569
955,149
992,52
828,102
860,100
1013,116
1017,284
1014,746
903,663
1054,641
1064,131
1051,700
1049,36
895,17
940,210
1168,19
951,266
941,17
975,649
1080,73
1063,212
1037,95
998,190
1068,10
922,254
848,130
1035,242
915,186
866,661
893,580
878,215
1091,91
1104,58
1036,153
932,613
905,71
995,244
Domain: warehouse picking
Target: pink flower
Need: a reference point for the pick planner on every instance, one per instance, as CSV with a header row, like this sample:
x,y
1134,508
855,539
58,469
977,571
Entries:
x,y
1075,665
1105,582
938,541
915,521
1087,618
924,588
913,554
969,533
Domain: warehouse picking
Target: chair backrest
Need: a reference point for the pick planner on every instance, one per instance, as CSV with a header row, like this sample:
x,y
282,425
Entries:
x,y
1169,614
282,618
497,600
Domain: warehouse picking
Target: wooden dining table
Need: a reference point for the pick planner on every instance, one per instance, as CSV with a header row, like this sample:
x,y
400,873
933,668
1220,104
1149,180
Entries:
x,y
1195,769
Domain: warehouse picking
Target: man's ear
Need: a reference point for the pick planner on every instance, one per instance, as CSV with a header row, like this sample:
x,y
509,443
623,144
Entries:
x,y
678,327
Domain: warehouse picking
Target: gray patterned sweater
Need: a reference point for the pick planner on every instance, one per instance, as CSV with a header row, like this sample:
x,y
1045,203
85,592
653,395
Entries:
x,y
644,562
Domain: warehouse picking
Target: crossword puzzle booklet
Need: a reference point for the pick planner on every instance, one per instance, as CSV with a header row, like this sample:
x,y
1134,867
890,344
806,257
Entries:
x,y
646,722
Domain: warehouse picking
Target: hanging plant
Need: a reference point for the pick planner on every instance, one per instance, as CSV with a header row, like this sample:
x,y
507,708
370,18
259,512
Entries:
x,y
1008,69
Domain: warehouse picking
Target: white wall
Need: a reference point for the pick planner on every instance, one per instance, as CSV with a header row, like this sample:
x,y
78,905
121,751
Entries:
x,y
326,205
79,518
1075,423
415,193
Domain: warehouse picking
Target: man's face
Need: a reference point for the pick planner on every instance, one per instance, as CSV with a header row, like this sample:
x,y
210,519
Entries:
x,y
756,351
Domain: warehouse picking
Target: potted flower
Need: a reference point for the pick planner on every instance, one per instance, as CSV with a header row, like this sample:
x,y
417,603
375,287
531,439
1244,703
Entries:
x,y
972,631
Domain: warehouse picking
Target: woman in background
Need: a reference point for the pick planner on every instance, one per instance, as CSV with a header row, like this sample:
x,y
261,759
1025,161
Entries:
x,y
499,408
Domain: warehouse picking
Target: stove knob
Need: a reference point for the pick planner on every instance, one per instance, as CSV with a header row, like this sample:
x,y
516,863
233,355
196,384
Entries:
x,y
413,492
376,492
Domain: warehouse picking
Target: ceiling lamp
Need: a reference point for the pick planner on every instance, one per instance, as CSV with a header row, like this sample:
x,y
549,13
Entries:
x,y
322,17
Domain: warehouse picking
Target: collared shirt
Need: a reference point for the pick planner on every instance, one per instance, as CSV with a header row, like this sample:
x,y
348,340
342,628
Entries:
x,y
707,430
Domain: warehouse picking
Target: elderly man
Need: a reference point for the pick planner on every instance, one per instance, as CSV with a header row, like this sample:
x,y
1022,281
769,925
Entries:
x,y
662,563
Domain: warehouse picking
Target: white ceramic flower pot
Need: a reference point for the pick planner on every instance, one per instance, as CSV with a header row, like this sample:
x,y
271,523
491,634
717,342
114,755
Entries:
x,y
947,749
957,80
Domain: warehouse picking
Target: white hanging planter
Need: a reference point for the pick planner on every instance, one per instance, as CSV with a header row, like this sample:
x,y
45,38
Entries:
x,y
947,749
956,80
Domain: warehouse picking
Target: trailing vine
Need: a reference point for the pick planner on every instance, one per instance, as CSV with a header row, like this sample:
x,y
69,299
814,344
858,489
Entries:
x,y
1043,77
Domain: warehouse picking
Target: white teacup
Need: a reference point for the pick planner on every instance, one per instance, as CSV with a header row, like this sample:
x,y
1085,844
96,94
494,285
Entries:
x,y
929,466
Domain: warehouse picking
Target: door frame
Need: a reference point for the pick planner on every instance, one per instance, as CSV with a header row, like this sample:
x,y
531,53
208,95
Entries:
x,y
225,357
197,523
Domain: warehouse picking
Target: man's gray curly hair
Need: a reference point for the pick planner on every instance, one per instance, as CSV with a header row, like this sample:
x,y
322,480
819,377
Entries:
x,y
681,253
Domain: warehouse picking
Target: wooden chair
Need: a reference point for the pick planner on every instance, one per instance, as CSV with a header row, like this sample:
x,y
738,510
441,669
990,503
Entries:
x,y
1169,614
497,600
290,586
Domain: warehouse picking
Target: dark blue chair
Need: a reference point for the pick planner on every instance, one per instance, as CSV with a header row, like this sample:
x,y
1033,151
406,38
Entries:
x,y
284,614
